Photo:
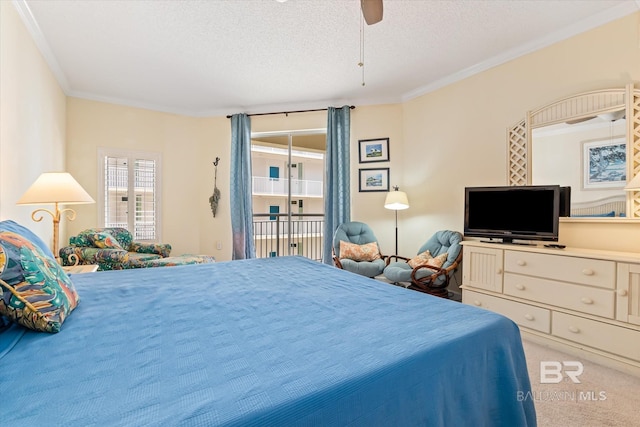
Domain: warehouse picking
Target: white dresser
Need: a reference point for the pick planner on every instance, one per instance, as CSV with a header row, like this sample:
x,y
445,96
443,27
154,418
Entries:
x,y
582,301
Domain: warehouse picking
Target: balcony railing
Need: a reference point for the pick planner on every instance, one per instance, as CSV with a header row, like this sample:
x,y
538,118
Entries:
x,y
263,185
273,236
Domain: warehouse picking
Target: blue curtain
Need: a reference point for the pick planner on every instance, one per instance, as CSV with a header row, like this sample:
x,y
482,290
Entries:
x,y
337,198
240,194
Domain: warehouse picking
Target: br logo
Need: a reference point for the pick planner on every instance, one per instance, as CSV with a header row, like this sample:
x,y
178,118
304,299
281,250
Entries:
x,y
553,372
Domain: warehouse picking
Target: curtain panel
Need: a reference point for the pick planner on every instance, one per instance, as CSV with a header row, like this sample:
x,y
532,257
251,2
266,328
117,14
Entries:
x,y
240,186
337,198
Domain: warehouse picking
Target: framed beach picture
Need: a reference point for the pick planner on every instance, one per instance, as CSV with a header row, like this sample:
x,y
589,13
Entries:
x,y
604,163
373,150
374,179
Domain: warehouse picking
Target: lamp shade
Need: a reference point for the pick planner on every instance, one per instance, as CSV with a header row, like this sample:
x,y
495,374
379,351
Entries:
x,y
634,184
396,200
55,187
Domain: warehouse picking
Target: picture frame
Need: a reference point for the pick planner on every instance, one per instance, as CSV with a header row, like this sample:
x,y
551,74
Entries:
x,y
604,163
373,150
373,180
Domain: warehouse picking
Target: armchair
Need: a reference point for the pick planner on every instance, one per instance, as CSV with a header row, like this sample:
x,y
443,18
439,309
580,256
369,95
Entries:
x,y
111,248
432,268
356,249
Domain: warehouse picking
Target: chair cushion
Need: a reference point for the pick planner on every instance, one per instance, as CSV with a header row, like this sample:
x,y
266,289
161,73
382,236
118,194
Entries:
x,y
444,241
425,258
364,268
36,292
400,271
366,252
352,232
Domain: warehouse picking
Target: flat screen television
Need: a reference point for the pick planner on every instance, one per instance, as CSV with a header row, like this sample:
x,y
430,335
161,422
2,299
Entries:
x,y
512,212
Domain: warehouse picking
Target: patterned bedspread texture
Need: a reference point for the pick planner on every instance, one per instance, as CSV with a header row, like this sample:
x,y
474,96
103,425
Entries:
x,y
264,342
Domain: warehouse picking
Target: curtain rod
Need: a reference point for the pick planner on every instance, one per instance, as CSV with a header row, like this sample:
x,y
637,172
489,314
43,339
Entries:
x,y
351,107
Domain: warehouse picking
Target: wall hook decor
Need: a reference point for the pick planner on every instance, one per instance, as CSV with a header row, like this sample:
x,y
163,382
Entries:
x,y
215,197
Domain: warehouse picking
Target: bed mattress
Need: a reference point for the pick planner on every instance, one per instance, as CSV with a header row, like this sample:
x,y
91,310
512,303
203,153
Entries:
x,y
280,342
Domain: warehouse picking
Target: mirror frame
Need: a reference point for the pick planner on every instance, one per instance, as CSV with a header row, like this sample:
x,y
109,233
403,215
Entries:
x,y
576,107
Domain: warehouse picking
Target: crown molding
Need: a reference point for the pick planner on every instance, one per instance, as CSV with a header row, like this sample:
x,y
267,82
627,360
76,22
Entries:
x,y
594,21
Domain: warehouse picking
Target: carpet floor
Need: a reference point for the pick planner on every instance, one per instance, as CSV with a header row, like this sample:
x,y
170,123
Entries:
x,y
604,396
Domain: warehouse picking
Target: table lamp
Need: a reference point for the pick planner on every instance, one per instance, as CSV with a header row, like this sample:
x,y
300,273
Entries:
x,y
396,200
55,188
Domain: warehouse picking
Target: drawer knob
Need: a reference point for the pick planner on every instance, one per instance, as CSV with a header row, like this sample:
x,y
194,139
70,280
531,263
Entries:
x,y
574,329
529,317
622,292
520,287
588,272
478,303
586,300
521,263
499,271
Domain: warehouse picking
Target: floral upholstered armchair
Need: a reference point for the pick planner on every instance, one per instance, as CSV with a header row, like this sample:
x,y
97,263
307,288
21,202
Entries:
x,y
111,248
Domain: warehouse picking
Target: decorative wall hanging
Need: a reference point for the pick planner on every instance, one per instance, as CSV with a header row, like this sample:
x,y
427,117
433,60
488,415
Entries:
x,y
373,150
215,197
374,179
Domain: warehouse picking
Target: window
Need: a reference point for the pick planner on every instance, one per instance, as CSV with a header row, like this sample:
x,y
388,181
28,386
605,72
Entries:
x,y
273,210
130,198
274,173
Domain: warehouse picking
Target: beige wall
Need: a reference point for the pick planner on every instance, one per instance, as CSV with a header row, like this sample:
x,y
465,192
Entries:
x,y
188,147
439,142
32,120
456,136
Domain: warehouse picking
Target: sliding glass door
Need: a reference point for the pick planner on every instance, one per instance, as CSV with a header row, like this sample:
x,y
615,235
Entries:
x,y
288,192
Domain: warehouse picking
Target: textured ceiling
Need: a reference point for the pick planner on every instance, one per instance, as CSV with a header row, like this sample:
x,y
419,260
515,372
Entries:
x,y
218,57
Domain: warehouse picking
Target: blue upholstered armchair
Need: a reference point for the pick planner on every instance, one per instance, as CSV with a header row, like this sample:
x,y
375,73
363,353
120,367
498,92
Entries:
x,y
430,271
356,249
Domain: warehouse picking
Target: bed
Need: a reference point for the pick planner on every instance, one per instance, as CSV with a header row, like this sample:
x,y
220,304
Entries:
x,y
612,206
265,342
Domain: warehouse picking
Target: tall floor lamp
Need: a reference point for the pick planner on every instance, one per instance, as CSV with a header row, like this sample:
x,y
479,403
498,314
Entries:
x,y
396,200
55,188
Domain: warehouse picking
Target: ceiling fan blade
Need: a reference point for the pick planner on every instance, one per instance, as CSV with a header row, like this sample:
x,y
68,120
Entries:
x,y
372,11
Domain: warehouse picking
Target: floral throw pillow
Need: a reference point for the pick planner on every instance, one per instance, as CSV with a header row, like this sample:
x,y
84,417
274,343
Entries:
x,y
366,252
426,259
104,240
34,290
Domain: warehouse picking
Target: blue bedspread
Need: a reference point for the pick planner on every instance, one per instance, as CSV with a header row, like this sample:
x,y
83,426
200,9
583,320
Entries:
x,y
266,342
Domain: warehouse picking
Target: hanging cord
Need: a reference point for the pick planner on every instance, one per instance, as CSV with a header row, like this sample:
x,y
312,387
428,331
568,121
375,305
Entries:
x,y
361,63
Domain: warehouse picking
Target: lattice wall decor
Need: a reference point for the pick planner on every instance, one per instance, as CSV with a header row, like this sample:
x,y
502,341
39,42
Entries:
x,y
576,107
518,154
633,121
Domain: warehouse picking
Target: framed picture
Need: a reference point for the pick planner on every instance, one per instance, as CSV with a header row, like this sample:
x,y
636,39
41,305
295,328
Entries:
x,y
373,150
374,179
604,163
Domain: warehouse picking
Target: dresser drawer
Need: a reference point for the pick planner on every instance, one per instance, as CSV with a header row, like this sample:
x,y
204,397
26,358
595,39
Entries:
x,y
610,338
585,271
524,315
586,299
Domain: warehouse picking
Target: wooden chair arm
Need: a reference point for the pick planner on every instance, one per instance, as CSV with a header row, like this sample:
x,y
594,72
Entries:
x,y
337,262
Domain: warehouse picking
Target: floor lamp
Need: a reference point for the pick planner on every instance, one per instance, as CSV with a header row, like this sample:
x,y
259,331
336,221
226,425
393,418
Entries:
x,y
396,200
55,188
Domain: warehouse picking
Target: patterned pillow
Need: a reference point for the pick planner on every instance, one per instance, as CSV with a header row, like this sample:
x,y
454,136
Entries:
x,y
426,259
104,240
9,225
35,291
366,252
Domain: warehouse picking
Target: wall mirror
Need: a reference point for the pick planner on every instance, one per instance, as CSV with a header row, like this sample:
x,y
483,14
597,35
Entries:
x,y
590,142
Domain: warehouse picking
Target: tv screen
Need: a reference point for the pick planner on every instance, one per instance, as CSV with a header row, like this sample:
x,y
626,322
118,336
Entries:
x,y
512,213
